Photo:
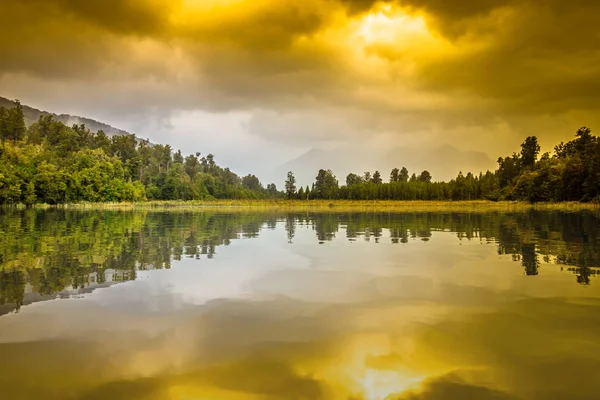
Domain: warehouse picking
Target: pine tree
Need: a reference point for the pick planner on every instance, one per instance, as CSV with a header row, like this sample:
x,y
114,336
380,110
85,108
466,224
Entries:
x,y
290,185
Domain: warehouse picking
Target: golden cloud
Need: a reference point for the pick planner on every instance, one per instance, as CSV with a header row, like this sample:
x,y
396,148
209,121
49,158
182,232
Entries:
x,y
407,64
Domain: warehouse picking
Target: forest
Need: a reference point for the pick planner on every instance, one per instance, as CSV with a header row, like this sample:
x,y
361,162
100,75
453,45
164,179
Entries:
x,y
572,173
50,162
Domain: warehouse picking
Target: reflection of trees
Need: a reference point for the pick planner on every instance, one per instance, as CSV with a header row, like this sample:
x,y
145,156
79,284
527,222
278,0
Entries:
x,y
399,235
529,259
567,238
290,227
326,225
12,287
55,250
582,265
583,274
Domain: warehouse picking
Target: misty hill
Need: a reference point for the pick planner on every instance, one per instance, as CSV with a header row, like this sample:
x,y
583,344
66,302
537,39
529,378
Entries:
x,y
33,115
443,162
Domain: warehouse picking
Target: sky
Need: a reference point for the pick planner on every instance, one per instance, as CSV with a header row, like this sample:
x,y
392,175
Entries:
x,y
269,85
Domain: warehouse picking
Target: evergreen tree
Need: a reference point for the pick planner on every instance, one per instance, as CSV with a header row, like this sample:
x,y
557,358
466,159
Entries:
x,y
403,176
376,178
290,185
395,175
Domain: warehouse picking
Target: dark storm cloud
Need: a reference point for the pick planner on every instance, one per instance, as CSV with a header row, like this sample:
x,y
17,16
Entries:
x,y
473,66
70,39
122,16
535,57
527,57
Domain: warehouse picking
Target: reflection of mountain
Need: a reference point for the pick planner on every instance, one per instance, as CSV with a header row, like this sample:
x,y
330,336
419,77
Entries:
x,y
57,253
33,115
443,162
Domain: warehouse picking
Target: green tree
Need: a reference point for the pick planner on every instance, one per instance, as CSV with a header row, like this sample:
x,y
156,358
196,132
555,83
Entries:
x,y
272,190
290,185
101,141
395,175
425,177
12,123
353,179
178,157
403,176
326,184
177,184
508,169
192,165
377,178
251,182
529,151
30,195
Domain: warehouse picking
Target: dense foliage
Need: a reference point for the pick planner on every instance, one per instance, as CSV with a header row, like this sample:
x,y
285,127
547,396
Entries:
x,y
571,174
50,162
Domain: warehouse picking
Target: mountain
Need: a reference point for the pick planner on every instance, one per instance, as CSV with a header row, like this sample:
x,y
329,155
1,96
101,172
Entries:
x,y
306,166
443,162
33,115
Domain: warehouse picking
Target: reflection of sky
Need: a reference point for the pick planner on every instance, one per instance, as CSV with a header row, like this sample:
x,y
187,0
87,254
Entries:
x,y
335,271
330,320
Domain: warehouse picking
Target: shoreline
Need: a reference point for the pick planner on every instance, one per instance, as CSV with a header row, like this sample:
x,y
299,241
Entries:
x,y
317,205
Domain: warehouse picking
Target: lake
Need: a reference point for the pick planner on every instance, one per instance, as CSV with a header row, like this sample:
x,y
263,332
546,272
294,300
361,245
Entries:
x,y
230,304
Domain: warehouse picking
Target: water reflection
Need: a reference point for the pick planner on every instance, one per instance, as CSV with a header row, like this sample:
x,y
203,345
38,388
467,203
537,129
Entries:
x,y
47,254
249,305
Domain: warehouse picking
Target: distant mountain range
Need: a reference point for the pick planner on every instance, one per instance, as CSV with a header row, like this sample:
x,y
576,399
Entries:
x,y
33,115
443,162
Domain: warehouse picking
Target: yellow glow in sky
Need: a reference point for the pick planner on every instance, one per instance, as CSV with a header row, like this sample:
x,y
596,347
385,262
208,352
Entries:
x,y
388,24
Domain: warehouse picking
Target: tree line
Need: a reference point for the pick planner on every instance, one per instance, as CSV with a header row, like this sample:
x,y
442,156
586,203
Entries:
x,y
50,162
571,173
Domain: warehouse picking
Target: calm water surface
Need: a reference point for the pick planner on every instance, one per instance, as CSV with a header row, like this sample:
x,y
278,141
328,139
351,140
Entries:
x,y
250,305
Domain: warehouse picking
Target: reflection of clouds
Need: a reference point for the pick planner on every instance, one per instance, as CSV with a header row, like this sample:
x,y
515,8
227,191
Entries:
x,y
269,320
283,348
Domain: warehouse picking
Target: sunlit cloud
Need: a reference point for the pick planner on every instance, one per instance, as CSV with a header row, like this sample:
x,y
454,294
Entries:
x,y
406,68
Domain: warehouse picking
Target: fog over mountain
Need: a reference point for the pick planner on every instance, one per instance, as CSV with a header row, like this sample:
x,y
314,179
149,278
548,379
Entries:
x,y
356,160
33,115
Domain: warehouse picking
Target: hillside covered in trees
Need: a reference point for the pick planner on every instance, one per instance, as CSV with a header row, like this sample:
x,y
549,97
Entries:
x,y
50,162
32,115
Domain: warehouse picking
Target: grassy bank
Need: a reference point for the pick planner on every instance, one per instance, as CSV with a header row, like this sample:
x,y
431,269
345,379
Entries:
x,y
326,205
